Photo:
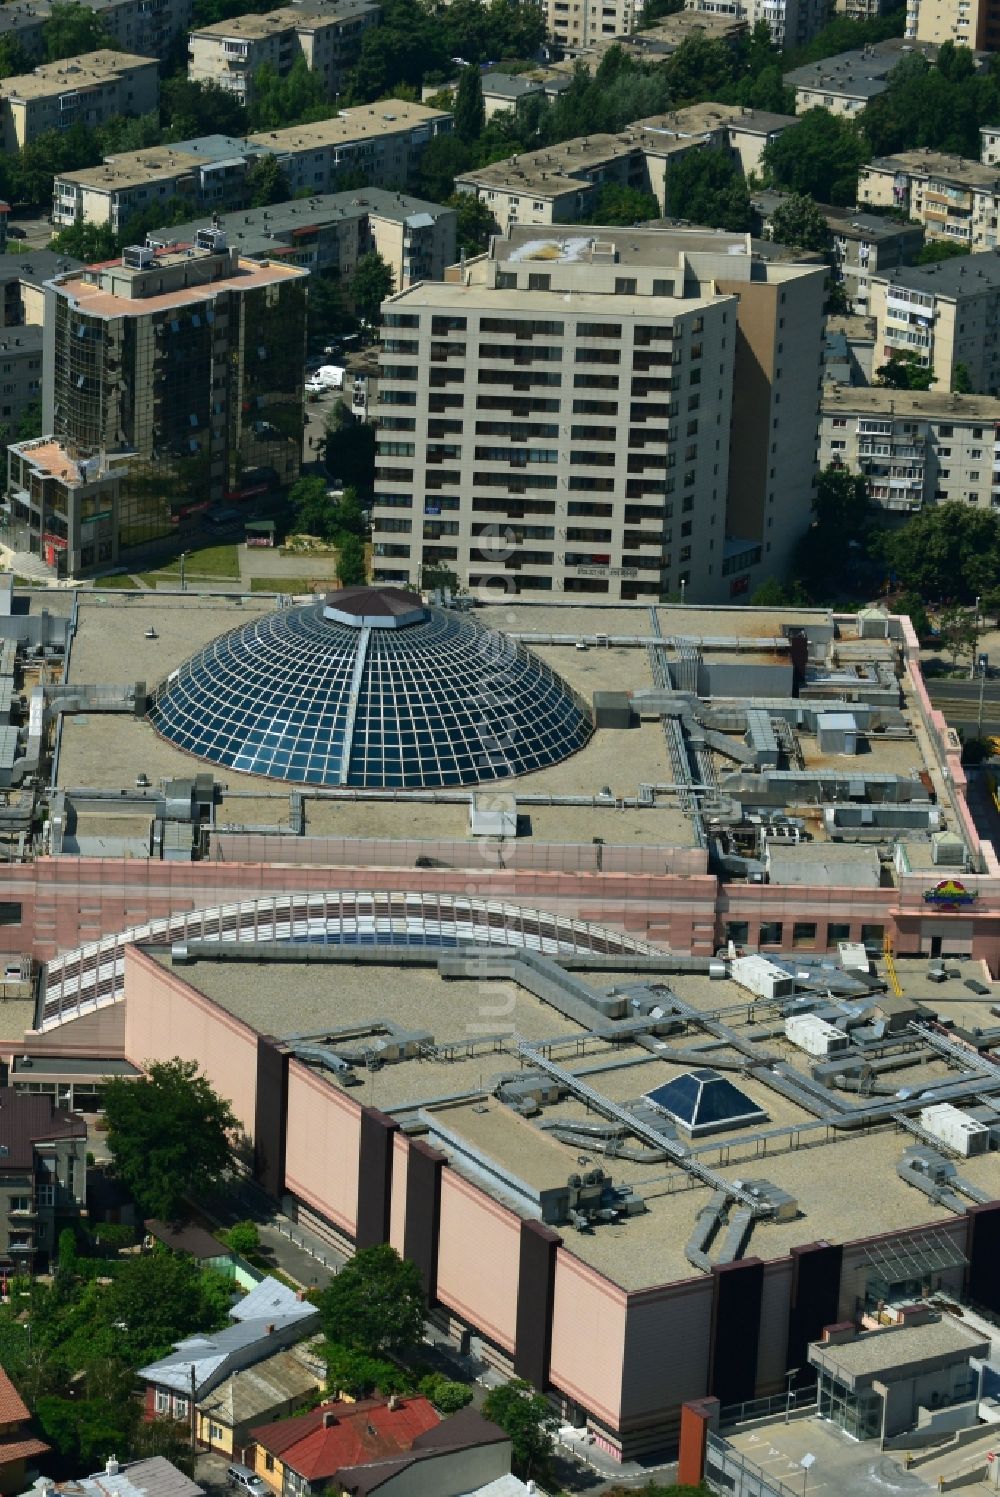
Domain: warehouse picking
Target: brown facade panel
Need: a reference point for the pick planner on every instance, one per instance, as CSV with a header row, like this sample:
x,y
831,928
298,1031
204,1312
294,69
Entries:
x,y
423,1212
738,1290
375,1177
984,1256
535,1290
815,1298
270,1114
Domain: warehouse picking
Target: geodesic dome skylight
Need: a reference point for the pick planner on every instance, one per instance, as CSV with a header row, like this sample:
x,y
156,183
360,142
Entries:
x,y
371,688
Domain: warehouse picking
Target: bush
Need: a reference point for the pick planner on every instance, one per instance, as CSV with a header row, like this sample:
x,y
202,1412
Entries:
x,y
446,1395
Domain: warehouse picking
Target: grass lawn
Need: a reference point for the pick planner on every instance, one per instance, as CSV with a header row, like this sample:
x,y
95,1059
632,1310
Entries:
x,y
209,562
122,580
291,584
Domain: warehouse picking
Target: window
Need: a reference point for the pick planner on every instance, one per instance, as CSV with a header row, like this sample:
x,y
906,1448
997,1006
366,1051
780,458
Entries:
x,y
804,933
836,932
625,285
770,933
46,1195
180,1406
20,1204
873,937
268,1462
162,1402
537,282
214,1431
737,931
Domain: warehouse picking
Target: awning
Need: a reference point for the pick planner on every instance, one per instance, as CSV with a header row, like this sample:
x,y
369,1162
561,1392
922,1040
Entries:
x,y
914,1257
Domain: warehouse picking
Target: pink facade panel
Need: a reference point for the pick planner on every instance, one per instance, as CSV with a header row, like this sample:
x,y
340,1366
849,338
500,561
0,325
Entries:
x,y
478,1259
165,1017
322,1145
588,1337
397,1199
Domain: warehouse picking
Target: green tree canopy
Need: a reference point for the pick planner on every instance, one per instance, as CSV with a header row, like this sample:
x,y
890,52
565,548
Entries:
x,y
170,1135
14,59
351,567
903,371
359,1375
72,29
936,250
528,1419
841,503
189,109
312,508
475,224
85,241
266,182
947,551
798,222
350,452
371,283
470,111
375,1304
618,204
820,158
705,187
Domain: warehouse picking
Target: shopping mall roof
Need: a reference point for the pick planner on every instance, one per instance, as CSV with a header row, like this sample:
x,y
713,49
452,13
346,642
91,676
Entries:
x,y
520,1114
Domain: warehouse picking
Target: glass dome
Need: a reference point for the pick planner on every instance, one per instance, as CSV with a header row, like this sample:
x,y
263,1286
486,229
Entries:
x,y
371,688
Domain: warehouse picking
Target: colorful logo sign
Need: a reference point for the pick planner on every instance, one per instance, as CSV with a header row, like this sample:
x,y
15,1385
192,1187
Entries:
x,y
950,894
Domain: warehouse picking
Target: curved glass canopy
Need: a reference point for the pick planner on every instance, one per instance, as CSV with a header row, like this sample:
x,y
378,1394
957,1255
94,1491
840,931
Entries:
x,y
370,688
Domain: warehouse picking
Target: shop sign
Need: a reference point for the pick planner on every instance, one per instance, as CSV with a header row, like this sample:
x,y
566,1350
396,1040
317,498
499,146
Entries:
x,y
950,894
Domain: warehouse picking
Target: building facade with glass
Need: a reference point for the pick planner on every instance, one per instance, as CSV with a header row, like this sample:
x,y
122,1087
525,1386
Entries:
x,y
173,379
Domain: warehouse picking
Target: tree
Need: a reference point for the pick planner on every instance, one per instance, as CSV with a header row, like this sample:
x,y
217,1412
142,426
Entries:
x,y
157,1299
705,187
957,632
446,1395
961,380
72,29
29,425
820,158
527,1418
470,111
442,160
775,594
170,1135
937,250
375,1304
947,551
351,566
474,223
312,507
371,283
903,371
912,605
617,204
13,58
242,1238
359,1375
434,575
88,242
266,182
798,222
189,109
350,452
841,503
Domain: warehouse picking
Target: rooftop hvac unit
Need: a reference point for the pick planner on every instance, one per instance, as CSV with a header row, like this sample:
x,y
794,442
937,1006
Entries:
x,y
815,1036
211,239
948,849
837,732
957,1129
765,979
138,257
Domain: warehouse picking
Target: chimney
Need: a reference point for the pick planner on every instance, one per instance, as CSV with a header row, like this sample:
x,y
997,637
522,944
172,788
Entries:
x,y
393,1404
270,1330
111,1467
329,1418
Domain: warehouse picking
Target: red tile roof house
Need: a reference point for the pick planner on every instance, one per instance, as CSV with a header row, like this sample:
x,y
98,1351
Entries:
x,y
398,1447
18,1445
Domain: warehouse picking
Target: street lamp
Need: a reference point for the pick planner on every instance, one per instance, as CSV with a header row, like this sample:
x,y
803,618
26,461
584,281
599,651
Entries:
x,y
790,1375
183,560
983,666
975,642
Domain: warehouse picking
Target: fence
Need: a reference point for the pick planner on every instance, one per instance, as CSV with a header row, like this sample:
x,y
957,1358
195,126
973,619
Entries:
x,y
767,1408
730,1473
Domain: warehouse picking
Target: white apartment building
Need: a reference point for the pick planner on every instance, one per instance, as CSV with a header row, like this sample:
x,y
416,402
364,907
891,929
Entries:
x,y
558,417
914,447
85,90
560,183
577,23
989,145
383,140
967,23
230,53
954,199
791,23
945,315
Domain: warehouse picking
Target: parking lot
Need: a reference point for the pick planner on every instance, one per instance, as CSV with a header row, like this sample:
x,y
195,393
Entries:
x,y
842,1467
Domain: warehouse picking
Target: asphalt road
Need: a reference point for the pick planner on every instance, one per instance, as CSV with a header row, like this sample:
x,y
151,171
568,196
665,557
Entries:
x,y
959,701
